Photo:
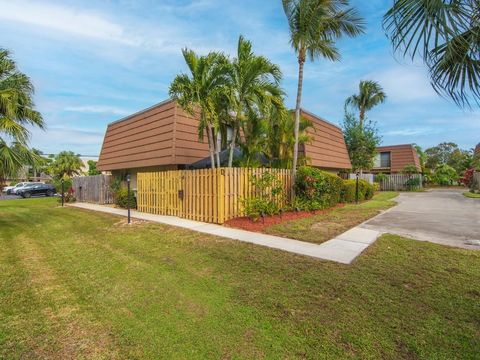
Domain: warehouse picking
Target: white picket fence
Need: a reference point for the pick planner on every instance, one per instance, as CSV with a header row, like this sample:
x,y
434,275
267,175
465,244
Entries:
x,y
367,177
396,182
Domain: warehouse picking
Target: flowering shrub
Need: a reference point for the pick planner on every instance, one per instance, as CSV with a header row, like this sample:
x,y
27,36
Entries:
x,y
468,179
316,189
69,196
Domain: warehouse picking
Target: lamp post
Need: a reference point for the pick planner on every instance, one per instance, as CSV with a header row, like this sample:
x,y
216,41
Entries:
x,y
356,188
128,197
63,190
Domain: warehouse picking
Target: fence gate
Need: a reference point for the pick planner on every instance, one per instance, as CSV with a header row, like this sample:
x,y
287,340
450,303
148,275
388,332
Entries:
x,y
209,195
94,189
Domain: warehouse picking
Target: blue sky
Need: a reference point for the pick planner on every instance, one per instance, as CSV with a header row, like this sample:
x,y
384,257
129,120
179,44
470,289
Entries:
x,y
93,62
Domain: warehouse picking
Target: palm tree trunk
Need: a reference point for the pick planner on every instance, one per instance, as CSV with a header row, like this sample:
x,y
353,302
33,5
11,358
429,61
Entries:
x,y
211,145
218,146
301,62
232,146
362,117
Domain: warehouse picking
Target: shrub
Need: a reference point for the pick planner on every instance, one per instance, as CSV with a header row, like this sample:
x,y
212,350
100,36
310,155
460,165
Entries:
x,y
365,190
67,184
412,183
444,175
317,189
380,177
255,207
122,199
69,196
376,186
469,180
270,193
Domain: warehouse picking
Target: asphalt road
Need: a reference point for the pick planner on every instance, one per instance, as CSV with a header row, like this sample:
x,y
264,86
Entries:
x,y
4,196
440,216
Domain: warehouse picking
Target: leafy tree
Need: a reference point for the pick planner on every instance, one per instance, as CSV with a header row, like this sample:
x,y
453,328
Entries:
x,y
253,86
410,169
421,155
92,168
444,175
315,26
65,165
16,114
200,91
361,141
450,154
370,94
445,34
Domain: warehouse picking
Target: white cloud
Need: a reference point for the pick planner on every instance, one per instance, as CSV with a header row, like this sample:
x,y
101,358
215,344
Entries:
x,y
99,109
405,83
412,131
66,20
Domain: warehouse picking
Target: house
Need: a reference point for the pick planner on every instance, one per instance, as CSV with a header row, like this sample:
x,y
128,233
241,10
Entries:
x,y
164,137
476,152
393,159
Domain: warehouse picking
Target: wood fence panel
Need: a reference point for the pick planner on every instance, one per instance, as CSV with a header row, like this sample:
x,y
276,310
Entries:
x,y
93,189
209,195
397,182
476,176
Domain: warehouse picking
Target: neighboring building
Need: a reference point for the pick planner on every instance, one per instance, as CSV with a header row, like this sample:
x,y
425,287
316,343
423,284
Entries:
x,y
164,137
476,152
85,159
392,159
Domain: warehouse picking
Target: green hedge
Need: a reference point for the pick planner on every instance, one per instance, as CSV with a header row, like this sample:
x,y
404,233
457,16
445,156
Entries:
x,y
316,189
365,190
122,198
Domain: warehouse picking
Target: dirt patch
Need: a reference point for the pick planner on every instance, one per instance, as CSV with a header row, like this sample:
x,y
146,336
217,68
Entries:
x,y
245,223
133,222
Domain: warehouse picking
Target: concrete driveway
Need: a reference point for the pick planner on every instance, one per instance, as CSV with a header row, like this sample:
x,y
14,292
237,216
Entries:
x,y
440,216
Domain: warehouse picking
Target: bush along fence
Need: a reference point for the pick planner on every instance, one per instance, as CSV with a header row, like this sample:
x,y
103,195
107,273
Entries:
x,y
212,195
395,182
94,189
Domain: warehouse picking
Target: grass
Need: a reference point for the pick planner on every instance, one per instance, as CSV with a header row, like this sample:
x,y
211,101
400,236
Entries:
x,y
471,195
320,228
77,284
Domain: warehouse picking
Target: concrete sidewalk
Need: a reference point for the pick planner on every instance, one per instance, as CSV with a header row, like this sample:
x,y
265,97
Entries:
x,y
343,249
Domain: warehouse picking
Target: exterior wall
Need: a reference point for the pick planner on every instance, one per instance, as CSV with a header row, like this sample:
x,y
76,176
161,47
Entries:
x,y
327,148
143,139
133,172
400,156
188,147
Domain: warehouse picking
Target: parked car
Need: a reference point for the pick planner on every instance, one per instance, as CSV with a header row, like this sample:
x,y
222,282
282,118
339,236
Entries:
x,y
36,189
10,189
16,189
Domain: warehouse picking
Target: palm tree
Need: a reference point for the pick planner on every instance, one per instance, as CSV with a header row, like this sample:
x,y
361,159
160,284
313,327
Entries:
x,y
66,164
253,86
315,25
16,113
446,35
370,94
199,92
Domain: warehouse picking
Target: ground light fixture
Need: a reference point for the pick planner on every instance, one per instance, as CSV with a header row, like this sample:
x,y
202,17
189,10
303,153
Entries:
x,y
128,197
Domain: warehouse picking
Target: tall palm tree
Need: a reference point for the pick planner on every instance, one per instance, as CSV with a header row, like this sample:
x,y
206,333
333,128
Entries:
x,y
199,92
253,85
16,113
66,164
446,35
315,25
370,94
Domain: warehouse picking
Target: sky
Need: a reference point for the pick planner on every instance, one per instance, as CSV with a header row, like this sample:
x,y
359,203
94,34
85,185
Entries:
x,y
94,62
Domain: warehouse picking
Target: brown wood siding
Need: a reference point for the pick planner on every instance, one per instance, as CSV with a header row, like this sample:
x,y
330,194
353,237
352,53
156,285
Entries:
x,y
400,156
144,139
188,147
327,148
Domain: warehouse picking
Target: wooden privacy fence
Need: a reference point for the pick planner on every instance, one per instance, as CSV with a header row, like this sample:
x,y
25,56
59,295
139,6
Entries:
x,y
396,182
210,195
476,176
93,189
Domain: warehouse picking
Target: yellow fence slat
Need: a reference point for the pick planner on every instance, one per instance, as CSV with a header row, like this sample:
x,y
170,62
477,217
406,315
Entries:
x,y
209,195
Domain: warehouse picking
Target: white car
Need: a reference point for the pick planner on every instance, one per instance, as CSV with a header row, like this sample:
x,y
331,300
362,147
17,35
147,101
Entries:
x,y
10,189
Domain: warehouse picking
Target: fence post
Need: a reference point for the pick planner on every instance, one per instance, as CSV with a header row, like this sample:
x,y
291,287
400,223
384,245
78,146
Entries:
x,y
221,195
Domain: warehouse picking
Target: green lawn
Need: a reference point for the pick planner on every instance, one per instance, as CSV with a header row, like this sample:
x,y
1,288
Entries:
x,y
77,284
471,195
320,228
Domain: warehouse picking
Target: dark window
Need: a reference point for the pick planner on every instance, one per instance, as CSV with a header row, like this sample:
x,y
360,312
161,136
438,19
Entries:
x,y
385,159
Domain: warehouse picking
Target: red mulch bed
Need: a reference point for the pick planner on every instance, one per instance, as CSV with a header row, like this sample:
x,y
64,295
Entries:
x,y
245,223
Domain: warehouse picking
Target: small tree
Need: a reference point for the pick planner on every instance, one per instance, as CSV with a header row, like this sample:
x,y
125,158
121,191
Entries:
x,y
361,141
92,168
65,165
445,175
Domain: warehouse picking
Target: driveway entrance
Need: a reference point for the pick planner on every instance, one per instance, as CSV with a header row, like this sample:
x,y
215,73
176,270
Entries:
x,y
440,216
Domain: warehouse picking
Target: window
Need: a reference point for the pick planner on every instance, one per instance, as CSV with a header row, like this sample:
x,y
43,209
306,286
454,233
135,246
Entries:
x,y
385,159
382,160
